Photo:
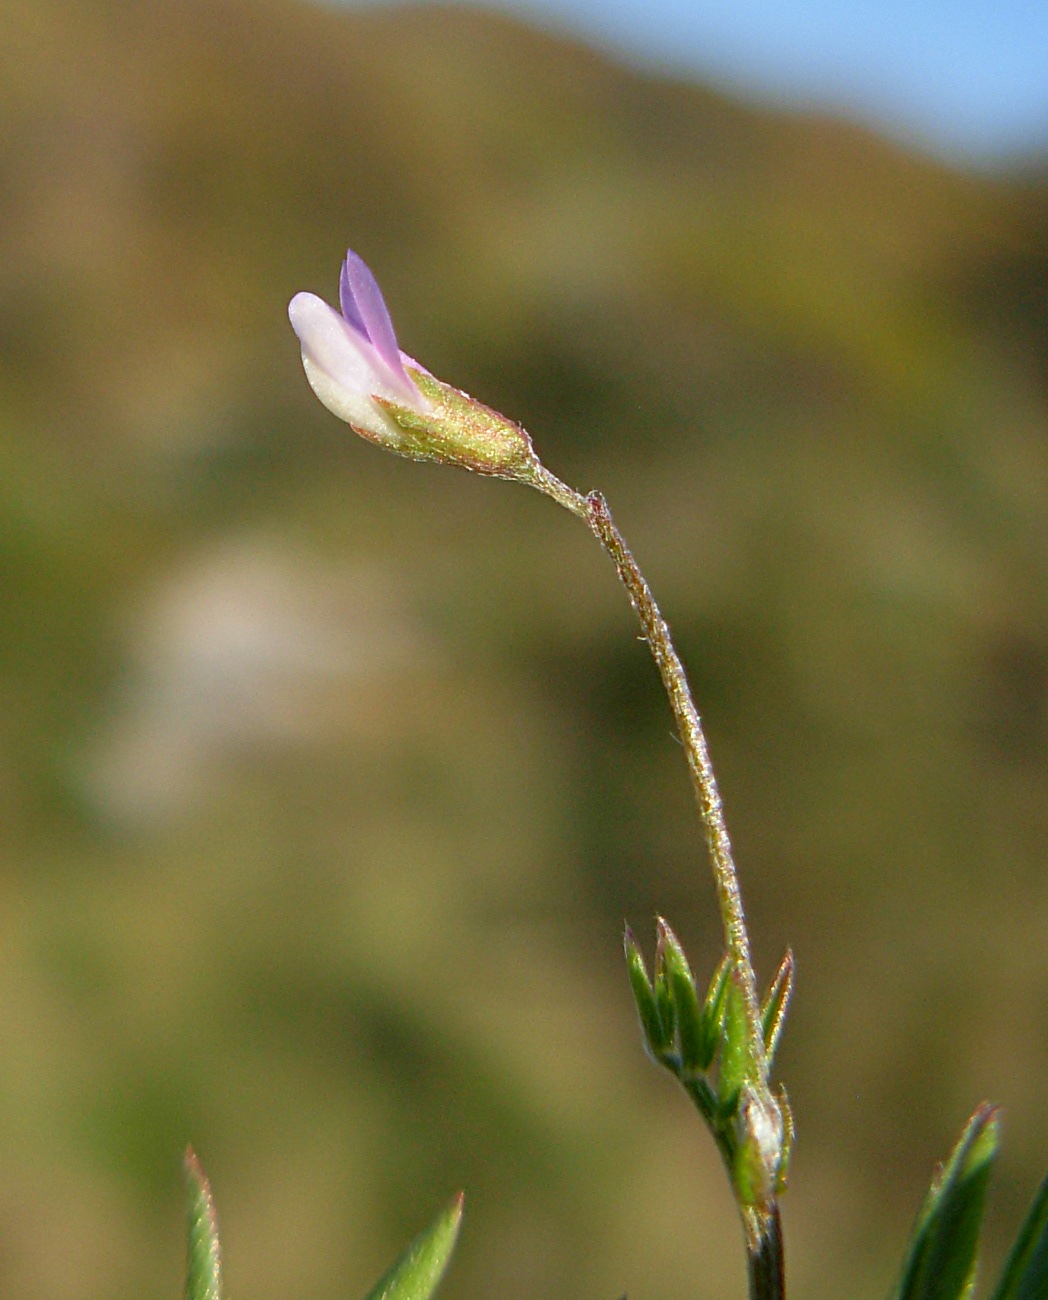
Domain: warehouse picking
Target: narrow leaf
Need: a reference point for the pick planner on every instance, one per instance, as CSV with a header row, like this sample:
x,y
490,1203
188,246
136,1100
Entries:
x,y
204,1258
417,1273
735,1056
644,997
773,1012
1025,1274
664,992
685,999
944,1246
713,1009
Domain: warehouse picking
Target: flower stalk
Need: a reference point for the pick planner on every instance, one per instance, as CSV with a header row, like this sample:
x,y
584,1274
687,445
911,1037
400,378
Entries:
x,y
594,510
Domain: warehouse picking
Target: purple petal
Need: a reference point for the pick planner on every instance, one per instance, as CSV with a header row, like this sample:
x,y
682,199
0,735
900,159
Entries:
x,y
365,310
347,301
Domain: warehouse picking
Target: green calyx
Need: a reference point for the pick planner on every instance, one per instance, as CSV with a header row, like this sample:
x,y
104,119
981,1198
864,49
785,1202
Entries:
x,y
459,430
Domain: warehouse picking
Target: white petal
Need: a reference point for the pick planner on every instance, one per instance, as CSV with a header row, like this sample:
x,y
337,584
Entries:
x,y
343,368
348,356
365,415
331,343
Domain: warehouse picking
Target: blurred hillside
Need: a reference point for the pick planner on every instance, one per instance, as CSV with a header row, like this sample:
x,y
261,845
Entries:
x,y
327,780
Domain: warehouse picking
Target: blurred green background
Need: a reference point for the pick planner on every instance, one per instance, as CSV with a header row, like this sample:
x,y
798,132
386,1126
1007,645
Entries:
x,y
327,780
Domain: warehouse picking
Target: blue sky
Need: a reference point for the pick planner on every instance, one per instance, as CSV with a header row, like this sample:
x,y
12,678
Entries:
x,y
966,78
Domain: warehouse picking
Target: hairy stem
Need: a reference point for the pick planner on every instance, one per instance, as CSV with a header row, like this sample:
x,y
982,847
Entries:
x,y
594,510
760,1217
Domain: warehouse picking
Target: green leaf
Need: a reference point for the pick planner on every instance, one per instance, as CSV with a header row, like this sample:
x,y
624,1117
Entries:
x,y
1025,1275
685,999
713,1010
735,1055
664,1002
204,1264
644,996
417,1273
944,1246
773,1012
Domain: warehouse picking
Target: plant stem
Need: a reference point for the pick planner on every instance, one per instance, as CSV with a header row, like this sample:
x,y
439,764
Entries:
x,y
761,1222
765,1265
594,510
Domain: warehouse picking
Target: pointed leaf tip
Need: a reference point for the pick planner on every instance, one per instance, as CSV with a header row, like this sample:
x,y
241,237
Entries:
x,y
714,1007
663,990
776,1003
687,1013
204,1256
417,1273
944,1247
657,1040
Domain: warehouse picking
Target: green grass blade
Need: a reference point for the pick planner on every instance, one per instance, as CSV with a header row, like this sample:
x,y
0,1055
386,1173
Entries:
x,y
1025,1274
204,1263
417,1273
945,1242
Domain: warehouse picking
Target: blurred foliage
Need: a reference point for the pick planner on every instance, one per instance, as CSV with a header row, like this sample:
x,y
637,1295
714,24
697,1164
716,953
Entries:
x,y
327,781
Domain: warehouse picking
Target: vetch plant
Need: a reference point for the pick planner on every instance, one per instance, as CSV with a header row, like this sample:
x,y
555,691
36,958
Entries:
x,y
720,1045
720,1051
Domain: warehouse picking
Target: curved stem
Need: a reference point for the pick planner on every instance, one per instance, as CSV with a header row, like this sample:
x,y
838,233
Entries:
x,y
594,510
693,737
762,1120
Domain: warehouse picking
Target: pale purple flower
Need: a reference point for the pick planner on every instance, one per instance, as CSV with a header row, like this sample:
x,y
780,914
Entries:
x,y
351,358
353,363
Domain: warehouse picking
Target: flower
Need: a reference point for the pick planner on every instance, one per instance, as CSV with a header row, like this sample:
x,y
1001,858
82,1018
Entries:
x,y
351,358
355,367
